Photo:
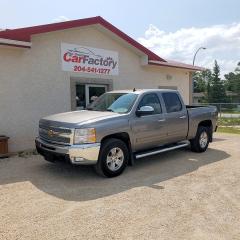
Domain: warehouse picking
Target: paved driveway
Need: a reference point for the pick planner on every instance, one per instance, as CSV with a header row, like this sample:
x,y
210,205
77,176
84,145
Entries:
x,y
175,195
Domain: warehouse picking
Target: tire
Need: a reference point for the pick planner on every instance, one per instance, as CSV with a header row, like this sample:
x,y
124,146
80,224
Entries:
x,y
113,158
200,142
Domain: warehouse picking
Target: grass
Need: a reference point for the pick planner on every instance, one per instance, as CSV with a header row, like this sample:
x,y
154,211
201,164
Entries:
x,y
224,129
228,121
231,112
229,125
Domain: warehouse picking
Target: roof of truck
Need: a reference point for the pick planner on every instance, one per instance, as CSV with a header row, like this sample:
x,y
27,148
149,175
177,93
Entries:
x,y
138,91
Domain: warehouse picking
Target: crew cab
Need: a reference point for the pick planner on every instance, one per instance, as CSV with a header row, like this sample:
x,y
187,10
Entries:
x,y
122,126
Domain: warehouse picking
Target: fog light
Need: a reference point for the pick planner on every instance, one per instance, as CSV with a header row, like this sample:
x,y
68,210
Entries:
x,y
78,159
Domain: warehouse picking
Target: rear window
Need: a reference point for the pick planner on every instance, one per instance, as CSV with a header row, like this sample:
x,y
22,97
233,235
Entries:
x,y
172,102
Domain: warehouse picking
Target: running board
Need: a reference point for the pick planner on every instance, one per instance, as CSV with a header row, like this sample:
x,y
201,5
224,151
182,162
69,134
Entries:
x,y
162,149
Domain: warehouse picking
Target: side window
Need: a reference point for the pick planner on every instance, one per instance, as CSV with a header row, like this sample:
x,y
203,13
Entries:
x,y
152,100
172,102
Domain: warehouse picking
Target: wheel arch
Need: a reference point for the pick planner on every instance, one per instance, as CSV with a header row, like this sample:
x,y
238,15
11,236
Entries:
x,y
207,123
124,136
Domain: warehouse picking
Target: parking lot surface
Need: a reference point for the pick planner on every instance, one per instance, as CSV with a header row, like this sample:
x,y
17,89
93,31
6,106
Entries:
x,y
174,195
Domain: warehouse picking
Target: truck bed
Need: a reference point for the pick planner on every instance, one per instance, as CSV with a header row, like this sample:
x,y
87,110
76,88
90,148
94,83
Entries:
x,y
199,113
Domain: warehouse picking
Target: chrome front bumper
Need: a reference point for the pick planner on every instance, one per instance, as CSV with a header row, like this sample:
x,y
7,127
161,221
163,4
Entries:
x,y
85,154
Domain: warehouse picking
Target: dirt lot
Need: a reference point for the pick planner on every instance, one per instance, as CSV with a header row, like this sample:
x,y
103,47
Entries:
x,y
175,195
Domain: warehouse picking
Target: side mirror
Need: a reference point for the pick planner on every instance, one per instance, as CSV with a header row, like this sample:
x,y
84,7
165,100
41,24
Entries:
x,y
145,110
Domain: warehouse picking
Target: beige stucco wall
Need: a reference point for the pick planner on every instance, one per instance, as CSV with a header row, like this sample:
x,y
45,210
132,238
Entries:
x,y
32,84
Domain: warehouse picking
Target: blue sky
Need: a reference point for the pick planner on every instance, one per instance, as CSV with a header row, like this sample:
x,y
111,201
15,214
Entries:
x,y
181,23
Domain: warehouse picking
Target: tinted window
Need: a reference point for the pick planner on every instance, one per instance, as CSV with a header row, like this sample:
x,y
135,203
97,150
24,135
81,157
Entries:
x,y
151,100
114,102
172,102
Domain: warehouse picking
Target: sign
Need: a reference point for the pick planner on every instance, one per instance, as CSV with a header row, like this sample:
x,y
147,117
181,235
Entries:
x,y
84,59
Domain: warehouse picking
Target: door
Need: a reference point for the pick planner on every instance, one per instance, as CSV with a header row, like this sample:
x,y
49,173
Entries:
x,y
176,117
87,93
150,130
94,91
80,96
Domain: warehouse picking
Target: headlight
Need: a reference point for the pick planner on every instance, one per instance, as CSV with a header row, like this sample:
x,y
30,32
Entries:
x,y
85,135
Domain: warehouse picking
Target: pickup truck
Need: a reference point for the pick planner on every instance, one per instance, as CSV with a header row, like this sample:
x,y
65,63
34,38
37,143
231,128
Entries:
x,y
122,126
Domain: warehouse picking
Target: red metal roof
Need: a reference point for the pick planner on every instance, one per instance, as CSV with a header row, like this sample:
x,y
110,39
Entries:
x,y
24,34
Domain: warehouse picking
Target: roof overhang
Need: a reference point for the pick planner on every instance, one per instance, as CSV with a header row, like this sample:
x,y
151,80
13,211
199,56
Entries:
x,y
24,34
21,38
15,43
175,64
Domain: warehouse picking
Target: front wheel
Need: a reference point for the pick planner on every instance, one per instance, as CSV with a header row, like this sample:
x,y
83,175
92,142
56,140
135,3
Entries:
x,y
113,158
201,140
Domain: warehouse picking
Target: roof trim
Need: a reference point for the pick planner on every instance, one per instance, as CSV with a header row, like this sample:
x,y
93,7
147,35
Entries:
x,y
15,43
175,64
24,34
21,37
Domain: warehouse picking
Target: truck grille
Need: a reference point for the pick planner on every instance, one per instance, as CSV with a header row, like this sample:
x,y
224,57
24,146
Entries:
x,y
55,134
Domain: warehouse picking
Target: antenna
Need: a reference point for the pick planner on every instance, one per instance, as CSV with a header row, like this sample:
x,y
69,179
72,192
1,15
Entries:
x,y
134,89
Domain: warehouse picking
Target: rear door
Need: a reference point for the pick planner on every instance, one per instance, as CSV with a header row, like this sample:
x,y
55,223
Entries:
x,y
149,131
176,117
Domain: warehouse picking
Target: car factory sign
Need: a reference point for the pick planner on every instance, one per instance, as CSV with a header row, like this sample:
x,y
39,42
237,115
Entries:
x,y
84,59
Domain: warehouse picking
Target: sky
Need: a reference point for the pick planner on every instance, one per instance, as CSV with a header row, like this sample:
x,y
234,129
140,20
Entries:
x,y
173,29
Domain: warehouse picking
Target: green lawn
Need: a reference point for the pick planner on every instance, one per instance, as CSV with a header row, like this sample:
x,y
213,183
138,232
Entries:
x,y
224,129
228,121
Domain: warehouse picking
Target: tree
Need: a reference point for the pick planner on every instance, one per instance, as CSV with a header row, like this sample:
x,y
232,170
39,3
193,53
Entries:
x,y
233,82
199,83
202,81
217,92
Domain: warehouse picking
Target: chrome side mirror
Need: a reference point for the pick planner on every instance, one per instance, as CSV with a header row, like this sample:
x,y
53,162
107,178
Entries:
x,y
145,110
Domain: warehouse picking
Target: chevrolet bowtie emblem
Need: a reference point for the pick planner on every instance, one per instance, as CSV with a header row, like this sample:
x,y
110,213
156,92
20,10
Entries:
x,y
51,133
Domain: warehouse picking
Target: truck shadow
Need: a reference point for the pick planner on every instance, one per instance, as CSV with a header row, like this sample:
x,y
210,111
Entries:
x,y
80,183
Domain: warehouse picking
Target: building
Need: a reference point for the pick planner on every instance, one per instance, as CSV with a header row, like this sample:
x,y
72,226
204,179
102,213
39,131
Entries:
x,y
198,97
63,66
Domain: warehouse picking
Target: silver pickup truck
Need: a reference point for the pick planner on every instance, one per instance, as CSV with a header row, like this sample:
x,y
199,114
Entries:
x,y
122,126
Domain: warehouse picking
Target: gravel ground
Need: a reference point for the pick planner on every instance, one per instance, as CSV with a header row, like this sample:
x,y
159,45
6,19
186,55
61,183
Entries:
x,y
175,195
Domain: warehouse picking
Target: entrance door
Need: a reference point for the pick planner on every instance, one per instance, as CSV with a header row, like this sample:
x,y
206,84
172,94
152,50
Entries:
x,y
87,93
94,91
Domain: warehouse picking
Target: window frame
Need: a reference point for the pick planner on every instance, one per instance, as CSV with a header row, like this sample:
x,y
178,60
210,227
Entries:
x,y
159,101
166,104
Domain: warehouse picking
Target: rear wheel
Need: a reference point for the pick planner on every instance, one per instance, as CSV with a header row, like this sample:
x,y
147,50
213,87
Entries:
x,y
113,158
201,140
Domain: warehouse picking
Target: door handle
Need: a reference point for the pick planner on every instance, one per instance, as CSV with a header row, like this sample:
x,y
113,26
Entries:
x,y
162,120
183,116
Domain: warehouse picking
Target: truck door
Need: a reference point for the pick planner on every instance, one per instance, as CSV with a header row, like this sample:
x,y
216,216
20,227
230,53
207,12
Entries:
x,y
149,131
176,117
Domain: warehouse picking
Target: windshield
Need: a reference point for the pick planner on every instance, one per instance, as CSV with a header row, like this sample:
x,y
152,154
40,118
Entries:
x,y
114,102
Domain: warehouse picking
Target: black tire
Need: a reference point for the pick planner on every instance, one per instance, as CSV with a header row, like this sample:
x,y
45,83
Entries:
x,y
103,165
196,145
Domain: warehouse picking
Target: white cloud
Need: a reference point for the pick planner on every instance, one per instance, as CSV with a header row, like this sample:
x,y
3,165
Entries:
x,y
222,43
61,19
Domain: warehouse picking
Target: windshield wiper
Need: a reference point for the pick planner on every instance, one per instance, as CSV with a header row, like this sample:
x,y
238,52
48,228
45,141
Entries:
x,y
109,110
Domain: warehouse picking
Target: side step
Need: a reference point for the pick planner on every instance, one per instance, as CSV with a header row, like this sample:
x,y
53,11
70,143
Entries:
x,y
162,149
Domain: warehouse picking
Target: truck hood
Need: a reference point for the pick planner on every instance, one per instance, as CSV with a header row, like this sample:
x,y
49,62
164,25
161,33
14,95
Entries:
x,y
79,117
